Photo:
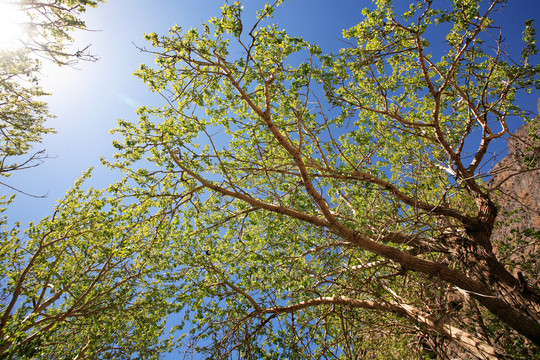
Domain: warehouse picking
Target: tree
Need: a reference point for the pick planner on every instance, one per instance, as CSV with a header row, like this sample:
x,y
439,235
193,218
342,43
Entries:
x,y
339,202
85,282
48,28
336,207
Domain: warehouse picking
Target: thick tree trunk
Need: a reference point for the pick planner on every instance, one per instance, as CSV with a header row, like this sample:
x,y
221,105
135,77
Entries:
x,y
492,285
517,306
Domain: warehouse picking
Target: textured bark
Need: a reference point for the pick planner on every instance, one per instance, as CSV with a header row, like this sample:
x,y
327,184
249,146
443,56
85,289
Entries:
x,y
472,344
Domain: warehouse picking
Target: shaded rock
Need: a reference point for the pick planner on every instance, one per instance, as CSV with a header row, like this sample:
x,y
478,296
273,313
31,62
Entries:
x,y
516,188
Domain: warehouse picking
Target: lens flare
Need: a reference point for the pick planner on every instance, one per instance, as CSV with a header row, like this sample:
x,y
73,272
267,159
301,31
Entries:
x,y
11,25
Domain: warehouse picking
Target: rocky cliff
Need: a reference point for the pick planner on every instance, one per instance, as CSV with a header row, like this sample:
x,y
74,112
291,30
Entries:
x,y
515,183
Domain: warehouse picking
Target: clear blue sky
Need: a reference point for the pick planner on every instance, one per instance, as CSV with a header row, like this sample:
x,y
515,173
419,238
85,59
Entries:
x,y
88,101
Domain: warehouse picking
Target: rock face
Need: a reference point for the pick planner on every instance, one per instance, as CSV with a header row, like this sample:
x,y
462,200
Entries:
x,y
516,187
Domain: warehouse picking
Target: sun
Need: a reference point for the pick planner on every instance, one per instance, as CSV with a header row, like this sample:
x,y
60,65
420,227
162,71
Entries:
x,y
11,25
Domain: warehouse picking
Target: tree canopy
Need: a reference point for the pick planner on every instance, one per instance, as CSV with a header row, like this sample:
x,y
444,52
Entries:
x,y
290,203
334,186
82,283
46,35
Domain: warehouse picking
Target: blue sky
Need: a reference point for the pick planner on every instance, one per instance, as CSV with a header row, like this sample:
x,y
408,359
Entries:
x,y
88,100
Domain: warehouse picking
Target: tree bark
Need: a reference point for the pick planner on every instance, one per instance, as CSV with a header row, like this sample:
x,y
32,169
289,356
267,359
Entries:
x,y
472,344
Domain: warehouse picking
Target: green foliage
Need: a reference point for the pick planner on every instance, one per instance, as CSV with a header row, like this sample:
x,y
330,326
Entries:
x,y
85,282
332,207
48,34
303,193
23,117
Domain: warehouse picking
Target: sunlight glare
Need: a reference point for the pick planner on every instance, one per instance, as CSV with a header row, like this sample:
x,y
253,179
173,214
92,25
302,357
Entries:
x,y
11,29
